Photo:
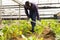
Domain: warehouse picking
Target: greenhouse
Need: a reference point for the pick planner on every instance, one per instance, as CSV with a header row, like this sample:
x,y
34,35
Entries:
x,y
29,19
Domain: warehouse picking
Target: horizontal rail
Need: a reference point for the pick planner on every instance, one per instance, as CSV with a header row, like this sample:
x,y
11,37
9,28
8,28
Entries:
x,y
22,18
18,6
38,7
37,4
25,15
48,3
25,18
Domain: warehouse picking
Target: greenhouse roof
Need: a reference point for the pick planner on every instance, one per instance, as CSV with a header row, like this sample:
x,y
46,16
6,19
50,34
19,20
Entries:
x,y
11,2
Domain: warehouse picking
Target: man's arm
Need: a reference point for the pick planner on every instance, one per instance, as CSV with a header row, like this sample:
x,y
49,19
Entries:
x,y
38,16
26,11
37,13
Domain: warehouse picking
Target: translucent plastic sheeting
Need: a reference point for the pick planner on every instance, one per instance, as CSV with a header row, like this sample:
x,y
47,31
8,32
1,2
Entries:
x,y
11,2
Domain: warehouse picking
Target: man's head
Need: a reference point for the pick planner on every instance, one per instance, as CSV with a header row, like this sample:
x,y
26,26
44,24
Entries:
x,y
27,4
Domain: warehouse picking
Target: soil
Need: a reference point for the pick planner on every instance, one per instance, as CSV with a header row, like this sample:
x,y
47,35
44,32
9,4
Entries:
x,y
18,38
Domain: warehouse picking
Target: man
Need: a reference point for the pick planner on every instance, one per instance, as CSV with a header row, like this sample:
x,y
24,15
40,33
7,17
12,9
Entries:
x,y
33,13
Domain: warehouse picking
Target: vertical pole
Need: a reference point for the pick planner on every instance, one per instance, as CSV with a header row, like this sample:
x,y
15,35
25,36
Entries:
x,y
38,1
11,16
58,1
48,1
19,11
19,15
0,14
0,2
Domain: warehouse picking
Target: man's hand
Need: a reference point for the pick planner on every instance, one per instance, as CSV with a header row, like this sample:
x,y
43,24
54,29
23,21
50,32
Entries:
x,y
38,18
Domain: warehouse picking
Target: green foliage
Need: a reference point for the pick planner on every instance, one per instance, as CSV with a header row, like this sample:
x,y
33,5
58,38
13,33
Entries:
x,y
15,28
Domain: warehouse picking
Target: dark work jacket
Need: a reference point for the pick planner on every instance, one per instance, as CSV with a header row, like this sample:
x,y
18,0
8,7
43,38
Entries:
x,y
33,11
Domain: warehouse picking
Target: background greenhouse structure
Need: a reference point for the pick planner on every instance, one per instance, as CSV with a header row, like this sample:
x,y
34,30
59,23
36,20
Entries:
x,y
47,8
13,20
